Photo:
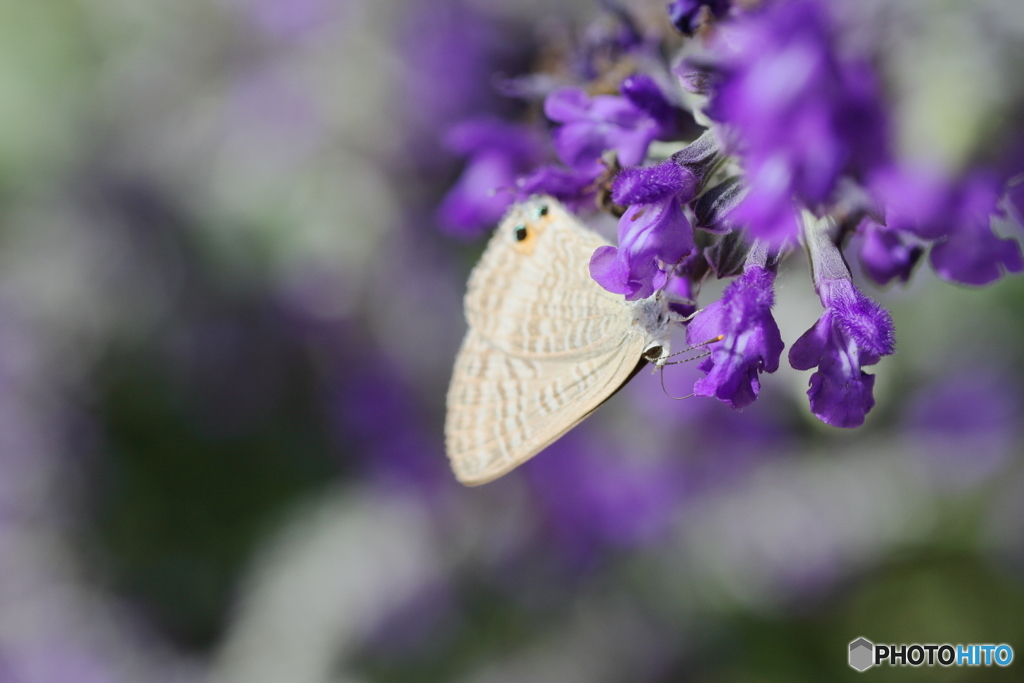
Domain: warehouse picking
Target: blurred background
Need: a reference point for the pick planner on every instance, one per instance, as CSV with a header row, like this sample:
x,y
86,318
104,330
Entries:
x,y
227,324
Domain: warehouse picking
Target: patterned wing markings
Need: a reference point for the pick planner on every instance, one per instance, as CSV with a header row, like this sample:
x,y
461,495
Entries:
x,y
544,304
503,410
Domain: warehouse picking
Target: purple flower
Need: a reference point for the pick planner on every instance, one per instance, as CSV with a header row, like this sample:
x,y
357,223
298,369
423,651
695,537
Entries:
x,y
801,117
576,190
373,411
852,332
963,427
970,252
497,152
885,254
605,42
594,496
686,13
956,216
653,231
750,344
914,200
452,52
592,125
641,90
291,18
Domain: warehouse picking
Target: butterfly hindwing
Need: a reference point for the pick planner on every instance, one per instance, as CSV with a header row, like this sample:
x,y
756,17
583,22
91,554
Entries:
x,y
503,410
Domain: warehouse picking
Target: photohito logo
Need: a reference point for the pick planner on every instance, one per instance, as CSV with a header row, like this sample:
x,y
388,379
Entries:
x,y
864,654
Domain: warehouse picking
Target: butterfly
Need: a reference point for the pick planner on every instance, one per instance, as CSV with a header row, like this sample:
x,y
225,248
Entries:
x,y
546,344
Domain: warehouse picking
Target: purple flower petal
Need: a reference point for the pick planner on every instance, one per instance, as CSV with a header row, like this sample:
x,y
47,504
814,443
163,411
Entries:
x,y
766,210
651,184
610,271
566,105
580,146
885,254
853,332
696,75
480,197
861,319
592,125
751,341
641,90
841,394
559,182
915,200
498,151
649,235
972,253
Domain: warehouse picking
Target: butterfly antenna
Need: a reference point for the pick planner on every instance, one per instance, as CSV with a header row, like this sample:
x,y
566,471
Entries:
x,y
694,348
680,362
662,364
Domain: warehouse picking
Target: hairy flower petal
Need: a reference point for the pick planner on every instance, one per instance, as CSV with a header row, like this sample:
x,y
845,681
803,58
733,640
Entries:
x,y
750,344
853,332
651,184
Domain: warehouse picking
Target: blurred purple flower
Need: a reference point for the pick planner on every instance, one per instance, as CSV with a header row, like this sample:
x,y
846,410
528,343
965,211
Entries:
x,y
641,90
597,496
963,427
955,215
751,342
886,254
801,117
572,188
685,13
292,18
653,230
605,42
854,331
971,252
497,153
592,125
450,52
373,412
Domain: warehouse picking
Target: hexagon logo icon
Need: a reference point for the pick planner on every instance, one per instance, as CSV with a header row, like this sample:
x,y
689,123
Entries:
x,y
862,654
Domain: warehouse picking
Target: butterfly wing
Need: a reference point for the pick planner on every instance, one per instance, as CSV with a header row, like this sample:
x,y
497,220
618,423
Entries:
x,y
535,298
503,410
545,347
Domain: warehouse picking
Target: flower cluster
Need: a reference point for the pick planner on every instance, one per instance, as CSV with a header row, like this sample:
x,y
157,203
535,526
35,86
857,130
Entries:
x,y
797,150
797,115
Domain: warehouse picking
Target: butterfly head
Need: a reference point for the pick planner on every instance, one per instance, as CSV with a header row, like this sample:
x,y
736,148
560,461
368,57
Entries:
x,y
526,222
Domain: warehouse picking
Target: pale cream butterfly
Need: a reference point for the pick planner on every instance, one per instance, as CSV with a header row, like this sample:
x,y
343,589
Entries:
x,y
546,344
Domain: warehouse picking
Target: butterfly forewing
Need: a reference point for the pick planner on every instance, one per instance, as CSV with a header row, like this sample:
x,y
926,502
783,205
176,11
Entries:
x,y
544,304
546,345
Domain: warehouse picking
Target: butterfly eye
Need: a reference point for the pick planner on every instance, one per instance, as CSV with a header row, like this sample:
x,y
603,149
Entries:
x,y
521,233
542,211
